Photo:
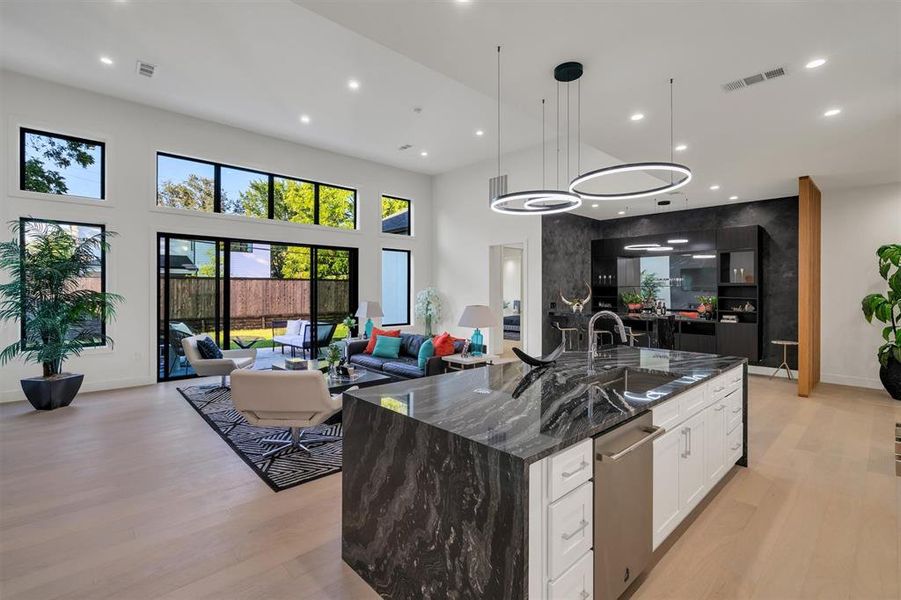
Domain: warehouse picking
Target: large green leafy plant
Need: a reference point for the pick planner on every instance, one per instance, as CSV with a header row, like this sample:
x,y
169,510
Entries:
x,y
45,290
886,308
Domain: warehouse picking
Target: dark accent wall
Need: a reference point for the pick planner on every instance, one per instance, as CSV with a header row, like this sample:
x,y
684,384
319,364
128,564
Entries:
x,y
566,258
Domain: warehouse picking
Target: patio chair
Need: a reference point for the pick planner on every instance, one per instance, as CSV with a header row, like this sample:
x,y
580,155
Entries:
x,y
324,334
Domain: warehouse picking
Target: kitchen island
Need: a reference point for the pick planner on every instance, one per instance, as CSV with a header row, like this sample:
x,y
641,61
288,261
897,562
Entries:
x,y
459,486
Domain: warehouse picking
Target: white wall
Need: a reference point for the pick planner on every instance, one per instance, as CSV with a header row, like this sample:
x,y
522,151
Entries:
x,y
134,133
855,223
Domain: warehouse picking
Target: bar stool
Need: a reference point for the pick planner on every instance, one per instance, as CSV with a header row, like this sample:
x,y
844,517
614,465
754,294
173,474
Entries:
x,y
566,334
785,344
634,335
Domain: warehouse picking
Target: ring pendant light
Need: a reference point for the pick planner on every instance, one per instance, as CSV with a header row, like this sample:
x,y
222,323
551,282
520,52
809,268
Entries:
x,y
530,202
666,167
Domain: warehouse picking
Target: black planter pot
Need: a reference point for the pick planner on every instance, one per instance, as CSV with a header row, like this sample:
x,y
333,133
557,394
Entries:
x,y
891,378
47,393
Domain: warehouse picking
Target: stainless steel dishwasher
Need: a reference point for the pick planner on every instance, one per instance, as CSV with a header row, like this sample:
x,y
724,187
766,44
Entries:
x,y
623,505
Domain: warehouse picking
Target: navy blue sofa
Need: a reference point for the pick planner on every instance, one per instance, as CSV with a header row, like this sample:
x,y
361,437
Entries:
x,y
406,365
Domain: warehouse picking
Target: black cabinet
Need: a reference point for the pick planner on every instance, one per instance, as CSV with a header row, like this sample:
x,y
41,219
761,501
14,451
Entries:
x,y
738,339
738,238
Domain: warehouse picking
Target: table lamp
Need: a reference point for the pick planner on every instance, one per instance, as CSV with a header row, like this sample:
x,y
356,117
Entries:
x,y
367,310
477,315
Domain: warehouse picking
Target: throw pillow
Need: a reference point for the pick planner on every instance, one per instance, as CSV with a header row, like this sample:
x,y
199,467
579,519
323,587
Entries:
x,y
293,327
376,332
387,347
426,351
208,348
444,344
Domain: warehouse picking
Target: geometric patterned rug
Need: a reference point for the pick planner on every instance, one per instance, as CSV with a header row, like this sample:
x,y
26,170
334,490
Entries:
x,y
282,470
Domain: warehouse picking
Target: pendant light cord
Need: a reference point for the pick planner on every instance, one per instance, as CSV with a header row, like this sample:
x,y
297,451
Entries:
x,y
671,138
557,156
579,129
498,111
568,129
543,148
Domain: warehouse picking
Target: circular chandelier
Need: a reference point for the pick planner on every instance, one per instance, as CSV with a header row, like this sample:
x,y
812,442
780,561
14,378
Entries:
x,y
576,186
671,168
534,202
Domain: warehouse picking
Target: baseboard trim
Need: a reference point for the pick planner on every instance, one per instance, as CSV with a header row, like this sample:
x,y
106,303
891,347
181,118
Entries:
x,y
852,380
768,371
16,395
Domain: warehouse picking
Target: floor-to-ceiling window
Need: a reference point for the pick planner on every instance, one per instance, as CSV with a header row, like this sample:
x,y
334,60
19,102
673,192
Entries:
x,y
242,292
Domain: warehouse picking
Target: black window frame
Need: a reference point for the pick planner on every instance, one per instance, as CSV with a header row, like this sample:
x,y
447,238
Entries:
x,y
23,131
22,223
217,186
409,254
409,213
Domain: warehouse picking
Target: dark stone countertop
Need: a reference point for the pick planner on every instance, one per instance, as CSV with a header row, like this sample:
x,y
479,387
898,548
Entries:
x,y
530,415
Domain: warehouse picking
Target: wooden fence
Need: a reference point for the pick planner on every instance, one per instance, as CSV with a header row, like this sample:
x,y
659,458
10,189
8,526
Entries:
x,y
257,302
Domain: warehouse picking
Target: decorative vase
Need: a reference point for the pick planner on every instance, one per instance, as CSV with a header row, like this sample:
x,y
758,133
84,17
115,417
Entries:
x,y
428,325
48,393
890,375
477,340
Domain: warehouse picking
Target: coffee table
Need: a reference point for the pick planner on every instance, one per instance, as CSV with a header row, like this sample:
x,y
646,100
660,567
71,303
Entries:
x,y
337,384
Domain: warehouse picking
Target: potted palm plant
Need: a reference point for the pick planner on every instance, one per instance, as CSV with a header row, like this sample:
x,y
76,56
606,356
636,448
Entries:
x,y
47,266
886,308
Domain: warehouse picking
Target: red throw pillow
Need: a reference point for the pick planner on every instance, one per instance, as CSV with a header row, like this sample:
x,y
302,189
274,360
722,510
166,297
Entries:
x,y
376,332
444,344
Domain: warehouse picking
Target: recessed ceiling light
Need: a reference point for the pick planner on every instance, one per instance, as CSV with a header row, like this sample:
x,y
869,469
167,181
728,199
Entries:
x,y
353,84
622,212
637,117
677,241
304,119
832,112
595,205
106,60
703,255
733,197
714,187
817,62
479,132
681,148
423,153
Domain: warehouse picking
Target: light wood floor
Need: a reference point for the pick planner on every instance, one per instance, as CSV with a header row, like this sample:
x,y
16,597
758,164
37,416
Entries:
x,y
129,494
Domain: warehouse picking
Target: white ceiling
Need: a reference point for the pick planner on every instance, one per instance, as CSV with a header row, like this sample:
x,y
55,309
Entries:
x,y
260,65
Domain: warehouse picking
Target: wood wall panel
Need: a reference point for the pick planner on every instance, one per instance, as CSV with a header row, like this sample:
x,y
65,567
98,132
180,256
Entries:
x,y
809,227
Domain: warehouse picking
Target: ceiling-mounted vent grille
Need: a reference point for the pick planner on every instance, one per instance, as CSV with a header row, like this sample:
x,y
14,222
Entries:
x,y
146,69
405,147
752,79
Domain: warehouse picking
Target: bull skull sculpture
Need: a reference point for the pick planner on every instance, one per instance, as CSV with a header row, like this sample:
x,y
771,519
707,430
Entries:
x,y
577,305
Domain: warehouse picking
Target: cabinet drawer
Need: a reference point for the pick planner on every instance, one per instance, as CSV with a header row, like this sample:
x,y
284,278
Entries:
x,y
568,469
569,529
692,401
733,404
734,441
667,414
576,583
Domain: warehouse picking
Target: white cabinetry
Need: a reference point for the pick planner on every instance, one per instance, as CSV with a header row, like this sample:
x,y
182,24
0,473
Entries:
x,y
703,440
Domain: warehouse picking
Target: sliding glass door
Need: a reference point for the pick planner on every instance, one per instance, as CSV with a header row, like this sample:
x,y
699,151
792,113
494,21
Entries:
x,y
243,293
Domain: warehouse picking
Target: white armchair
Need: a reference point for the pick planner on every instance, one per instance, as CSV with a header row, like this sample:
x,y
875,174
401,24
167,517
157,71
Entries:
x,y
297,400
231,360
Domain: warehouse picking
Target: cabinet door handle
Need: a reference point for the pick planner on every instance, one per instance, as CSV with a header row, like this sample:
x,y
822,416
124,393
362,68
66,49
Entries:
x,y
720,407
582,525
685,433
689,441
574,471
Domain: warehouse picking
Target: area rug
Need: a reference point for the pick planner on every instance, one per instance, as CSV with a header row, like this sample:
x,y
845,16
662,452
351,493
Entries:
x,y
282,470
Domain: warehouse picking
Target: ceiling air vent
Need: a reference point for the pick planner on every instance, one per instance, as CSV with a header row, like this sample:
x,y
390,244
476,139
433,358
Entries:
x,y
146,69
752,79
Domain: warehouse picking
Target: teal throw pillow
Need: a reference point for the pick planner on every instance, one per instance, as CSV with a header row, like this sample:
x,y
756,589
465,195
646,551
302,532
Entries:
x,y
426,351
386,347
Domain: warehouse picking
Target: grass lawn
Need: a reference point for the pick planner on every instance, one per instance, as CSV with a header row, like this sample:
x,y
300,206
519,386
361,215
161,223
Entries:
x,y
265,336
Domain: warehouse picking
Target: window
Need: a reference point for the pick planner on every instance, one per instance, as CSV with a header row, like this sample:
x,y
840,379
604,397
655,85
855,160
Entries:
x,y
244,193
294,200
51,163
395,215
182,183
215,188
337,207
396,287
94,280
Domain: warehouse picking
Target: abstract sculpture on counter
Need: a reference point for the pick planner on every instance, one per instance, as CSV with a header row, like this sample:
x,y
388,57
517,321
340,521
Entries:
x,y
577,305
